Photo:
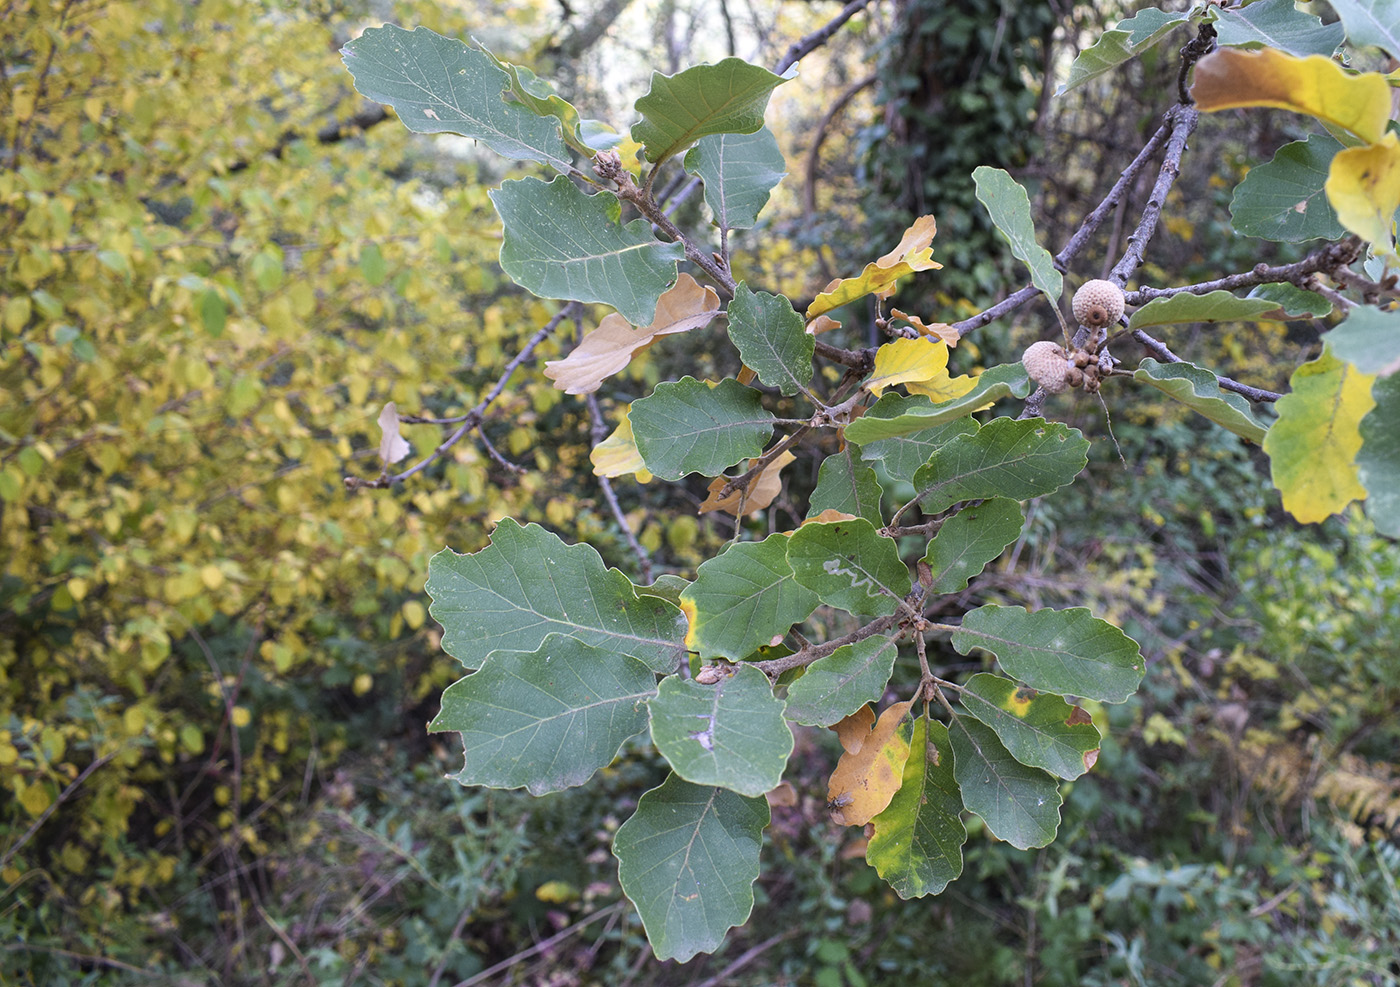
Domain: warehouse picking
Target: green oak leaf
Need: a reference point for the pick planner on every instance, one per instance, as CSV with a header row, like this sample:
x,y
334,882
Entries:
x,y
1378,461
1216,306
547,720
687,426
969,541
1368,339
1293,301
902,455
1199,390
1276,24
834,687
1068,652
771,338
847,485
1019,804
1010,208
1004,458
897,414
1285,199
849,565
1038,728
687,859
739,171
731,734
917,846
728,97
668,586
1129,39
441,85
745,597
1371,22
528,584
561,242
538,96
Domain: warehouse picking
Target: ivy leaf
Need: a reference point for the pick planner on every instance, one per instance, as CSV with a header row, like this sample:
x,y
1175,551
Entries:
x,y
1019,804
1371,22
744,598
895,415
687,859
1364,189
563,243
731,734
771,338
917,846
847,485
1312,447
1199,390
1216,306
836,686
440,85
1229,79
687,426
904,454
1378,462
1276,24
1010,208
1068,652
527,584
1037,728
547,720
739,170
728,97
1004,458
1285,200
1129,39
969,540
849,565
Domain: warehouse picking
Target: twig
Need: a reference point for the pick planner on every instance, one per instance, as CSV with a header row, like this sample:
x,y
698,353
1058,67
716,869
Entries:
x,y
1159,349
1192,52
543,945
747,957
599,433
774,667
805,46
286,941
760,464
1183,120
809,170
52,807
1331,259
474,417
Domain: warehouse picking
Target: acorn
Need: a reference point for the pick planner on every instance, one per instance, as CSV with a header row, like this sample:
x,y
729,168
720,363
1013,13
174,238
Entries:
x,y
1098,304
1047,365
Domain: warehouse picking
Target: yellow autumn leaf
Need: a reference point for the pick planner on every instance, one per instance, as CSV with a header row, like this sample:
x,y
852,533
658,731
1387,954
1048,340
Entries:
x,y
761,491
617,455
913,253
1230,79
1363,186
903,360
942,387
1312,447
866,779
610,347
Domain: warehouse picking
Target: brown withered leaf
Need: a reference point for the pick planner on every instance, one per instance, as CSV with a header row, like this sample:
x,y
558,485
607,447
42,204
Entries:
x,y
762,489
940,330
610,347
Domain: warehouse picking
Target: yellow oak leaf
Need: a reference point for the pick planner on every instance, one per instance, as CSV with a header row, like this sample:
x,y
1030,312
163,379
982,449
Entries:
x,y
1230,79
902,360
1363,186
853,730
942,387
827,516
617,455
866,779
938,330
761,491
610,347
913,253
1312,447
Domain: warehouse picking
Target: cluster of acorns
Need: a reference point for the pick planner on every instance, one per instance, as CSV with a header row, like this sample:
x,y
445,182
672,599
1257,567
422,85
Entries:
x,y
1097,305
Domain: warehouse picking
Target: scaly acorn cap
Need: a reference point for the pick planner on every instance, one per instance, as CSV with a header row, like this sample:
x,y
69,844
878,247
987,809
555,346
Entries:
x,y
1047,365
1098,304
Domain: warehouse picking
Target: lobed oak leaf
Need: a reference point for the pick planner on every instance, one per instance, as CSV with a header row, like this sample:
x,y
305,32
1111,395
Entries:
x,y
610,347
914,252
904,360
866,779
